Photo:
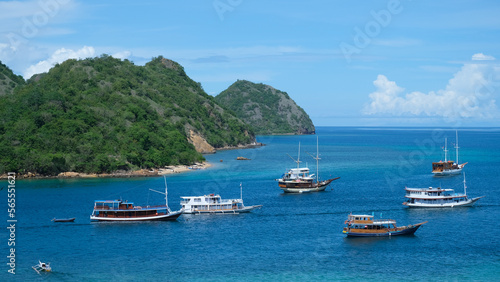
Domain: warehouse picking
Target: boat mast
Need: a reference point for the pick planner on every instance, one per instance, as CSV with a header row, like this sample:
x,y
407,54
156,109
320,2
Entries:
x,y
445,149
166,192
298,160
317,158
241,191
465,186
456,145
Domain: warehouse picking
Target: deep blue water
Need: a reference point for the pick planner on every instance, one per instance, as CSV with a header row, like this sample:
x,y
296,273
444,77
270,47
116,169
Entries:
x,y
293,237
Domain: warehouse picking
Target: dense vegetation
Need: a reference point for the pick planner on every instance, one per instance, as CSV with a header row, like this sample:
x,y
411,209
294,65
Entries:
x,y
267,110
8,80
103,114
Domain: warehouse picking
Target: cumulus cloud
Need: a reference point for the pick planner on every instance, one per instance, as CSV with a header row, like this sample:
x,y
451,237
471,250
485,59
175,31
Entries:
x,y
482,57
469,94
57,57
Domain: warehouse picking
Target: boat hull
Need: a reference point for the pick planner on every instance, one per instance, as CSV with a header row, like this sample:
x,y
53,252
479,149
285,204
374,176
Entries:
x,y
445,205
447,168
297,187
447,172
163,217
63,219
229,211
406,231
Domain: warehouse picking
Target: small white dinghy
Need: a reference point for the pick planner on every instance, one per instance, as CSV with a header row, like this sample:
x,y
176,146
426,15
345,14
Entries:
x,y
42,266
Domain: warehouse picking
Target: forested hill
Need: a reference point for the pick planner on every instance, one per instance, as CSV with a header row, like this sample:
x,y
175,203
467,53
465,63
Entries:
x,y
268,110
103,114
8,80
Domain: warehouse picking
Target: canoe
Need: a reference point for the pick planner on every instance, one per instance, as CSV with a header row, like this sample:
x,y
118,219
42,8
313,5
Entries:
x,y
63,219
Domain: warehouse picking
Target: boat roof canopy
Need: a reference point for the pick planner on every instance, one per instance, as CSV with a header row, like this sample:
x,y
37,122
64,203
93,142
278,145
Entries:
x,y
204,196
360,215
108,201
112,202
299,170
428,189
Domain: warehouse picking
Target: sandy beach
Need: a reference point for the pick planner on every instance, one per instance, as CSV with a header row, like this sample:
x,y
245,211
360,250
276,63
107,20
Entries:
x,y
136,173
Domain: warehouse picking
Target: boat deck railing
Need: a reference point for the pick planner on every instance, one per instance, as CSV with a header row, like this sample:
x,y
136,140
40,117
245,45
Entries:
x,y
374,221
106,208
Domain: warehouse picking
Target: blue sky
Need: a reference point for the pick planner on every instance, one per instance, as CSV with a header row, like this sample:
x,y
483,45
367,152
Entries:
x,y
361,63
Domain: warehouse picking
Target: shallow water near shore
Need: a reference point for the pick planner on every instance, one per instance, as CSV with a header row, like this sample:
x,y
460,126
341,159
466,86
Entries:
x,y
292,237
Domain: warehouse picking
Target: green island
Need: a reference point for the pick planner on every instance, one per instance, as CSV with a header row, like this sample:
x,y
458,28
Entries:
x,y
102,115
266,109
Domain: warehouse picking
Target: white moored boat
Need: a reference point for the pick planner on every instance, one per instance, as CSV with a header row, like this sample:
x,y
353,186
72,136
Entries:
x,y
214,204
298,180
448,167
437,198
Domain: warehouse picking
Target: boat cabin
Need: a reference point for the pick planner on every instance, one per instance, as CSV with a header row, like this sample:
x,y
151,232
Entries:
x,y
430,192
298,173
113,205
441,166
367,222
210,203
120,209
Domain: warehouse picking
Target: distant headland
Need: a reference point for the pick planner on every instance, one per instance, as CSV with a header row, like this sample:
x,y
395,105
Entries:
x,y
106,116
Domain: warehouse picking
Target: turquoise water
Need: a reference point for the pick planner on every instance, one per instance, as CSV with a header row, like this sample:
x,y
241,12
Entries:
x,y
293,237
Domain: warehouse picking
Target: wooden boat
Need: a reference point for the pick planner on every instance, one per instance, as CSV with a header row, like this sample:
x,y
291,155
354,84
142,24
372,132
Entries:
x,y
214,204
118,210
63,219
366,226
42,266
437,198
448,167
298,180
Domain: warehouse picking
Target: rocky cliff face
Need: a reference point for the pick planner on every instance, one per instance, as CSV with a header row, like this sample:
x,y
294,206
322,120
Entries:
x,y
266,109
200,144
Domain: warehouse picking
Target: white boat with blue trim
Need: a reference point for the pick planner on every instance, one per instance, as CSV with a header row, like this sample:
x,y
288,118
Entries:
x,y
438,198
215,204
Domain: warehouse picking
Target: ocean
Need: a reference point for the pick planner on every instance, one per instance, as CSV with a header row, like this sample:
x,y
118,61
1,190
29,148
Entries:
x,y
293,237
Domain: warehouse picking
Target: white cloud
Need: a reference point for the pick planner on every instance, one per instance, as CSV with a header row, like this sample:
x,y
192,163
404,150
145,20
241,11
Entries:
x,y
469,94
482,57
3,47
121,55
57,57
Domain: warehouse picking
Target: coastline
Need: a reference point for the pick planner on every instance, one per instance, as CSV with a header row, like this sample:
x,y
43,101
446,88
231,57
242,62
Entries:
x,y
247,146
118,174
136,173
